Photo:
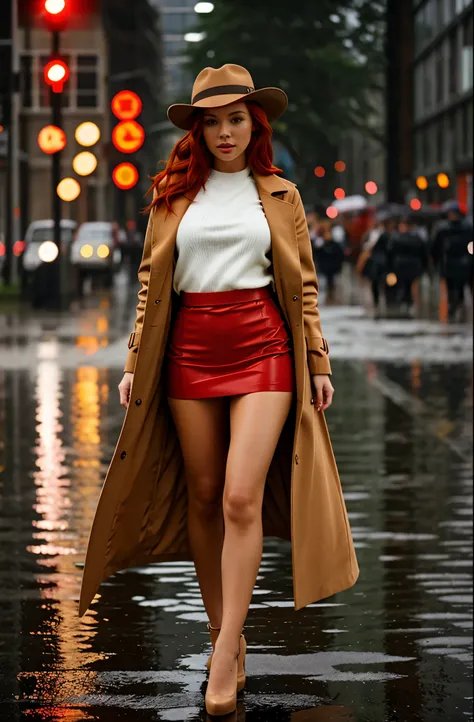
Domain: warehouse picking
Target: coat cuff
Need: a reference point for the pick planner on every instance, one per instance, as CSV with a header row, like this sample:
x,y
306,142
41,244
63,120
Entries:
x,y
133,344
317,352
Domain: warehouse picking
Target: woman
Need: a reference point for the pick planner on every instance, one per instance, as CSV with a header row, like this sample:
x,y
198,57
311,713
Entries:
x,y
222,428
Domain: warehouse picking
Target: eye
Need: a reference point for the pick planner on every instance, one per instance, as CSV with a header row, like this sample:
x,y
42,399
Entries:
x,y
237,119
209,121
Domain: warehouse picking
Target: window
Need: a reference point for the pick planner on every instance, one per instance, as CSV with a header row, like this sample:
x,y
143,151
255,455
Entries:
x,y
173,47
82,90
87,81
453,64
429,85
439,77
178,23
26,81
419,91
467,57
447,11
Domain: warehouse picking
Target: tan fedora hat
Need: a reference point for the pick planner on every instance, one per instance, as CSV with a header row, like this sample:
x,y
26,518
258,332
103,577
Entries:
x,y
216,87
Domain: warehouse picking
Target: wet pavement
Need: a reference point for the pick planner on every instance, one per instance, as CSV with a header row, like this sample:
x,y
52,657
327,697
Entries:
x,y
395,648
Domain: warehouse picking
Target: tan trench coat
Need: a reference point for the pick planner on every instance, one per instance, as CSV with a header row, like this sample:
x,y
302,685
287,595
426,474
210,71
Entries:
x,y
141,514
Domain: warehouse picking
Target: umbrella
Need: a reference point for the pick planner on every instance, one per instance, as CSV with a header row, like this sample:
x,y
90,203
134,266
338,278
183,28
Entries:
x,y
351,203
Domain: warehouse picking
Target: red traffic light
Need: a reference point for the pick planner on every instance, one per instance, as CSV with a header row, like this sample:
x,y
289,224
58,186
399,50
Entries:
x,y
56,73
55,13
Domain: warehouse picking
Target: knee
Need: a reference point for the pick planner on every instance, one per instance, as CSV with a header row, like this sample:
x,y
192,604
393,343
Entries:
x,y
205,497
240,508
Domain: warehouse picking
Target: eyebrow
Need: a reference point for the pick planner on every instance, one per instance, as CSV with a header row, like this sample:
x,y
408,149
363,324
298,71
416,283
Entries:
x,y
234,112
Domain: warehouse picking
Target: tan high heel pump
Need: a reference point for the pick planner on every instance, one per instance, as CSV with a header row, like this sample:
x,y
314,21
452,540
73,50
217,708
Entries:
x,y
218,706
241,677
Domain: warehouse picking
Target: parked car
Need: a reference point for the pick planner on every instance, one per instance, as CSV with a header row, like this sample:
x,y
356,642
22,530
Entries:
x,y
95,250
38,233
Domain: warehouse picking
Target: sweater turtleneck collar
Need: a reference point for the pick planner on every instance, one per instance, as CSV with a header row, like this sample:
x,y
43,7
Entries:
x,y
229,177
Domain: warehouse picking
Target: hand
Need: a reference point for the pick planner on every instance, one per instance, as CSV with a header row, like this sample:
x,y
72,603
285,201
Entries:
x,y
324,391
125,389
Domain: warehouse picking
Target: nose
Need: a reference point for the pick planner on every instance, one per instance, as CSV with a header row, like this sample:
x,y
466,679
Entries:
x,y
225,131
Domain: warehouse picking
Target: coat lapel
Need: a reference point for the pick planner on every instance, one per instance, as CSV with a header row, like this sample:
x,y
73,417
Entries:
x,y
280,218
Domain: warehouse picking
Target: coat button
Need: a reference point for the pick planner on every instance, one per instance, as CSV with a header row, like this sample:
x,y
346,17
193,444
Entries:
x,y
138,402
123,454
295,298
297,458
312,401
157,300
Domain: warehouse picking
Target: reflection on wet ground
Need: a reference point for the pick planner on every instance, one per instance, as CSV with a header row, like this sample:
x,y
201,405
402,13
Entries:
x,y
396,648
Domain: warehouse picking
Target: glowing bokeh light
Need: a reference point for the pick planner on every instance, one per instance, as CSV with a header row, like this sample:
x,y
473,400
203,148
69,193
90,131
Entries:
x,y
48,252
332,212
422,183
443,180
340,166
85,163
103,251
371,188
68,189
87,134
319,171
391,279
415,204
340,193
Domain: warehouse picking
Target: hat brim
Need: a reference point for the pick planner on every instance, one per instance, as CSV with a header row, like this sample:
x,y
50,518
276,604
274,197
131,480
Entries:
x,y
274,101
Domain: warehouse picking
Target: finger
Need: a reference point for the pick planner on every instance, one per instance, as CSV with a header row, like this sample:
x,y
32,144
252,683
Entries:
x,y
124,397
319,397
328,394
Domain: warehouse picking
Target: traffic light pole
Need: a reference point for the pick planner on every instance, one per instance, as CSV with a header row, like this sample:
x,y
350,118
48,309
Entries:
x,y
56,178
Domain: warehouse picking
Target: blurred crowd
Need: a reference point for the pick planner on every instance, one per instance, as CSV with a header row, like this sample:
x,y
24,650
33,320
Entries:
x,y
394,252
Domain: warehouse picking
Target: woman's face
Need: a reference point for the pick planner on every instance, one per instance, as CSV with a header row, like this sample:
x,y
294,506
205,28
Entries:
x,y
227,132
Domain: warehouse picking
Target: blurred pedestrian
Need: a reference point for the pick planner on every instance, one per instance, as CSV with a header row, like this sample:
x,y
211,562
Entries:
x,y
372,263
450,253
408,260
225,382
328,255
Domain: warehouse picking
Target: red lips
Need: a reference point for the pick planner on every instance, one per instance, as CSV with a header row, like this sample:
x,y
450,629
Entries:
x,y
226,145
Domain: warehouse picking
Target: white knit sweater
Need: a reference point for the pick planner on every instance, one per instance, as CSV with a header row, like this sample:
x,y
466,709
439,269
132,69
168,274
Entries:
x,y
224,237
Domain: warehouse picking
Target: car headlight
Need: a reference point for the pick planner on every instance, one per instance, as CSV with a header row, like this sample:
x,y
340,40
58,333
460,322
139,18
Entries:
x,y
103,251
86,250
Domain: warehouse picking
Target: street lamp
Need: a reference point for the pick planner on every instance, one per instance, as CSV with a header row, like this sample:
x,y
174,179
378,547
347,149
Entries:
x,y
203,8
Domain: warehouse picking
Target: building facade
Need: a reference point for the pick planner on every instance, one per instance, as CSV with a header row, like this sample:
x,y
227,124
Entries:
x,y
429,92
85,98
443,98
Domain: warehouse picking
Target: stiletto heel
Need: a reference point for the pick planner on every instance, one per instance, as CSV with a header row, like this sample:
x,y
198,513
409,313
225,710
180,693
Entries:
x,y
218,706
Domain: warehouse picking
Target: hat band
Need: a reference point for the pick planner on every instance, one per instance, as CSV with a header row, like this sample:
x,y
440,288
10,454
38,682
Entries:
x,y
222,90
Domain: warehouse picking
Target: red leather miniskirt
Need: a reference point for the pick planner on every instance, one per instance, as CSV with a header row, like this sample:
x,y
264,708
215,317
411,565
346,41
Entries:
x,y
228,343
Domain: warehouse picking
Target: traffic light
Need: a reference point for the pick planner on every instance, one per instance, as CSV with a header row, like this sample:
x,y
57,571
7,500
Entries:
x,y
56,13
56,73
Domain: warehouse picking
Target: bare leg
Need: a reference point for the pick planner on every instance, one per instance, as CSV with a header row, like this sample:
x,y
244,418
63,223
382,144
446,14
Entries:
x,y
203,432
256,424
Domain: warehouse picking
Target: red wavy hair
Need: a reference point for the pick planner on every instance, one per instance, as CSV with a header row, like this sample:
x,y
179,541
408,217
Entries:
x,y
190,161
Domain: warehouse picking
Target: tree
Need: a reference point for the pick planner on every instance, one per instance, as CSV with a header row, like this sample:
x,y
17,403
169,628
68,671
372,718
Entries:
x,y
326,54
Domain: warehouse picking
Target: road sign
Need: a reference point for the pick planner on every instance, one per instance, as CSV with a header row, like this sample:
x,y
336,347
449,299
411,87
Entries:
x,y
128,136
126,105
51,139
125,176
